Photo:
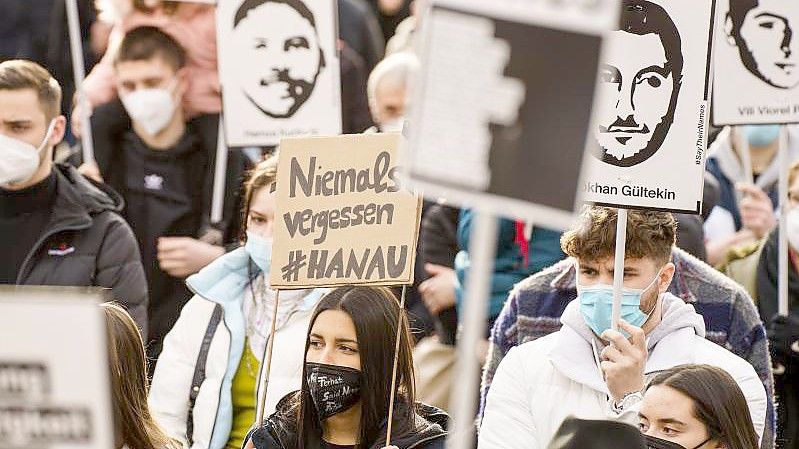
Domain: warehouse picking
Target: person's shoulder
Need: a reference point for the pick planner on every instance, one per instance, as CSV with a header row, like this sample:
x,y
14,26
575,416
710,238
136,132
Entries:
x,y
713,354
533,351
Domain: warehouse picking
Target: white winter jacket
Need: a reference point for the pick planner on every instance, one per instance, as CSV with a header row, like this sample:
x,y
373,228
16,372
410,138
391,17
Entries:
x,y
540,383
190,396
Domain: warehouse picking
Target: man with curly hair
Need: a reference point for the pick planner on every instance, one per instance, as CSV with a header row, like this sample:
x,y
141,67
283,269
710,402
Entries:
x,y
588,369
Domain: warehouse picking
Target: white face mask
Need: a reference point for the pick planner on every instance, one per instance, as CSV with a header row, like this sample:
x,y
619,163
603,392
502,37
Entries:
x,y
792,227
393,125
152,109
19,160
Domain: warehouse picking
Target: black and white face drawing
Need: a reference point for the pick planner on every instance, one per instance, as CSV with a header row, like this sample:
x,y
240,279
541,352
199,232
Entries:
x,y
763,31
277,66
640,82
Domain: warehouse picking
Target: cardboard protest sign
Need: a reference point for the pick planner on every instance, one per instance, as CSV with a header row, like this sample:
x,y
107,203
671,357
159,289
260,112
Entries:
x,y
341,217
756,62
502,108
279,69
650,127
54,379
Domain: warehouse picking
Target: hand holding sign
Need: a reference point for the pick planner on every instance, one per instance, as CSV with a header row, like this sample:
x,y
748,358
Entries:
x,y
623,360
757,211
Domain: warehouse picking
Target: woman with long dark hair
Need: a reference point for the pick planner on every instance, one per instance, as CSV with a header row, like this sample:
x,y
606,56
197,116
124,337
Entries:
x,y
346,385
696,407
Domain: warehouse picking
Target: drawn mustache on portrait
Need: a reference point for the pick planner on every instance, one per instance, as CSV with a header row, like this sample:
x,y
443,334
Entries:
x,y
296,86
626,126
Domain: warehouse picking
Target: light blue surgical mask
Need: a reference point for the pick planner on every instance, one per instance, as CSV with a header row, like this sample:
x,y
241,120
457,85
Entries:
x,y
260,250
596,306
761,135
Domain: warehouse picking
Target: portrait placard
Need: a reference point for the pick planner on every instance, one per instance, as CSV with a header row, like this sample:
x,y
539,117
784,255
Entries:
x,y
503,105
341,215
756,62
649,135
279,70
54,374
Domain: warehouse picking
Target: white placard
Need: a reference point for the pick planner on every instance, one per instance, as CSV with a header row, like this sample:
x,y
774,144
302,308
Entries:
x,y
54,378
650,125
279,70
502,107
756,62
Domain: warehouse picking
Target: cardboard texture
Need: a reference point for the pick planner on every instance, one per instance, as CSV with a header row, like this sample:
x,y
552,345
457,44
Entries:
x,y
501,117
650,123
340,216
54,377
279,70
756,63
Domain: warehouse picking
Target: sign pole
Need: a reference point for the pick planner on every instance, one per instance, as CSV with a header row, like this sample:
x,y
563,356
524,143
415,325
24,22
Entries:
x,y
618,265
742,145
784,263
220,170
482,247
400,321
76,49
259,414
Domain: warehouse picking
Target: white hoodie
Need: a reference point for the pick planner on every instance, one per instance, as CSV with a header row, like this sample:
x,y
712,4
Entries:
x,y
542,382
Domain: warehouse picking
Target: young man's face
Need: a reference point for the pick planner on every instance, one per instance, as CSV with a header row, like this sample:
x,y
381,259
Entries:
x,y
153,73
278,66
638,274
23,118
637,87
767,43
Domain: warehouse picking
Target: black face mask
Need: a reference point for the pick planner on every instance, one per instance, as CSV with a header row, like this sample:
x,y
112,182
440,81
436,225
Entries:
x,y
657,443
333,389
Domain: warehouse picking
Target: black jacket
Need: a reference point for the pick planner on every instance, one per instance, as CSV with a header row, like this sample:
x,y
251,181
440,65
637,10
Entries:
x,y
175,202
87,243
431,424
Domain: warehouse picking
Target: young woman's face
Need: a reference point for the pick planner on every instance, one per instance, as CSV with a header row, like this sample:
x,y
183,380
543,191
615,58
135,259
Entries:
x,y
261,215
669,414
333,340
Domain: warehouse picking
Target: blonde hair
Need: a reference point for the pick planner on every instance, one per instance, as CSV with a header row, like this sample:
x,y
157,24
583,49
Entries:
x,y
263,175
135,426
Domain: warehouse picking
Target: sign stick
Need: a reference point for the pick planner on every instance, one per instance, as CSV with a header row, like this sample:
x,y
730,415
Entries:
x,y
742,145
618,266
76,48
220,170
482,248
394,368
259,414
784,263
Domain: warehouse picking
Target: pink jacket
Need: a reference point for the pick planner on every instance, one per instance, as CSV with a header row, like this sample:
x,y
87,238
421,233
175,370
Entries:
x,y
193,27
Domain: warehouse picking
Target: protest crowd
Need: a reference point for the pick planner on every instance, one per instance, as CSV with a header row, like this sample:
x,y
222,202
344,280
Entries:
x,y
204,352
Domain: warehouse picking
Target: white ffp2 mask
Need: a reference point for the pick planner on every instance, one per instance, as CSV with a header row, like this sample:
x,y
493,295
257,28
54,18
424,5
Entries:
x,y
19,160
152,109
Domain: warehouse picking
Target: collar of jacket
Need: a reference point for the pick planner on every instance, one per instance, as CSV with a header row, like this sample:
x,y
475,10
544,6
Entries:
x,y
431,424
575,351
567,278
77,199
224,280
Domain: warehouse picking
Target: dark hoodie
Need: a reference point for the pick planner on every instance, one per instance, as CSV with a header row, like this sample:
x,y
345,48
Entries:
x,y
87,243
430,433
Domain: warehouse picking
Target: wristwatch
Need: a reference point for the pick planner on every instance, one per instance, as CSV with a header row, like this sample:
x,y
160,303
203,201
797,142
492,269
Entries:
x,y
627,401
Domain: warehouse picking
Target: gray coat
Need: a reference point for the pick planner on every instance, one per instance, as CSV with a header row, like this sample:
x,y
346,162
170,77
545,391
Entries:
x,y
87,243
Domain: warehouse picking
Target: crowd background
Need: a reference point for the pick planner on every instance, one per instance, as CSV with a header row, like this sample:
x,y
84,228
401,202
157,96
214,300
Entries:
x,y
725,259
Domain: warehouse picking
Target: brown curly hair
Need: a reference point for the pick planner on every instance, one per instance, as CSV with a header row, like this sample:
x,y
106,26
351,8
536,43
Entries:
x,y
650,234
